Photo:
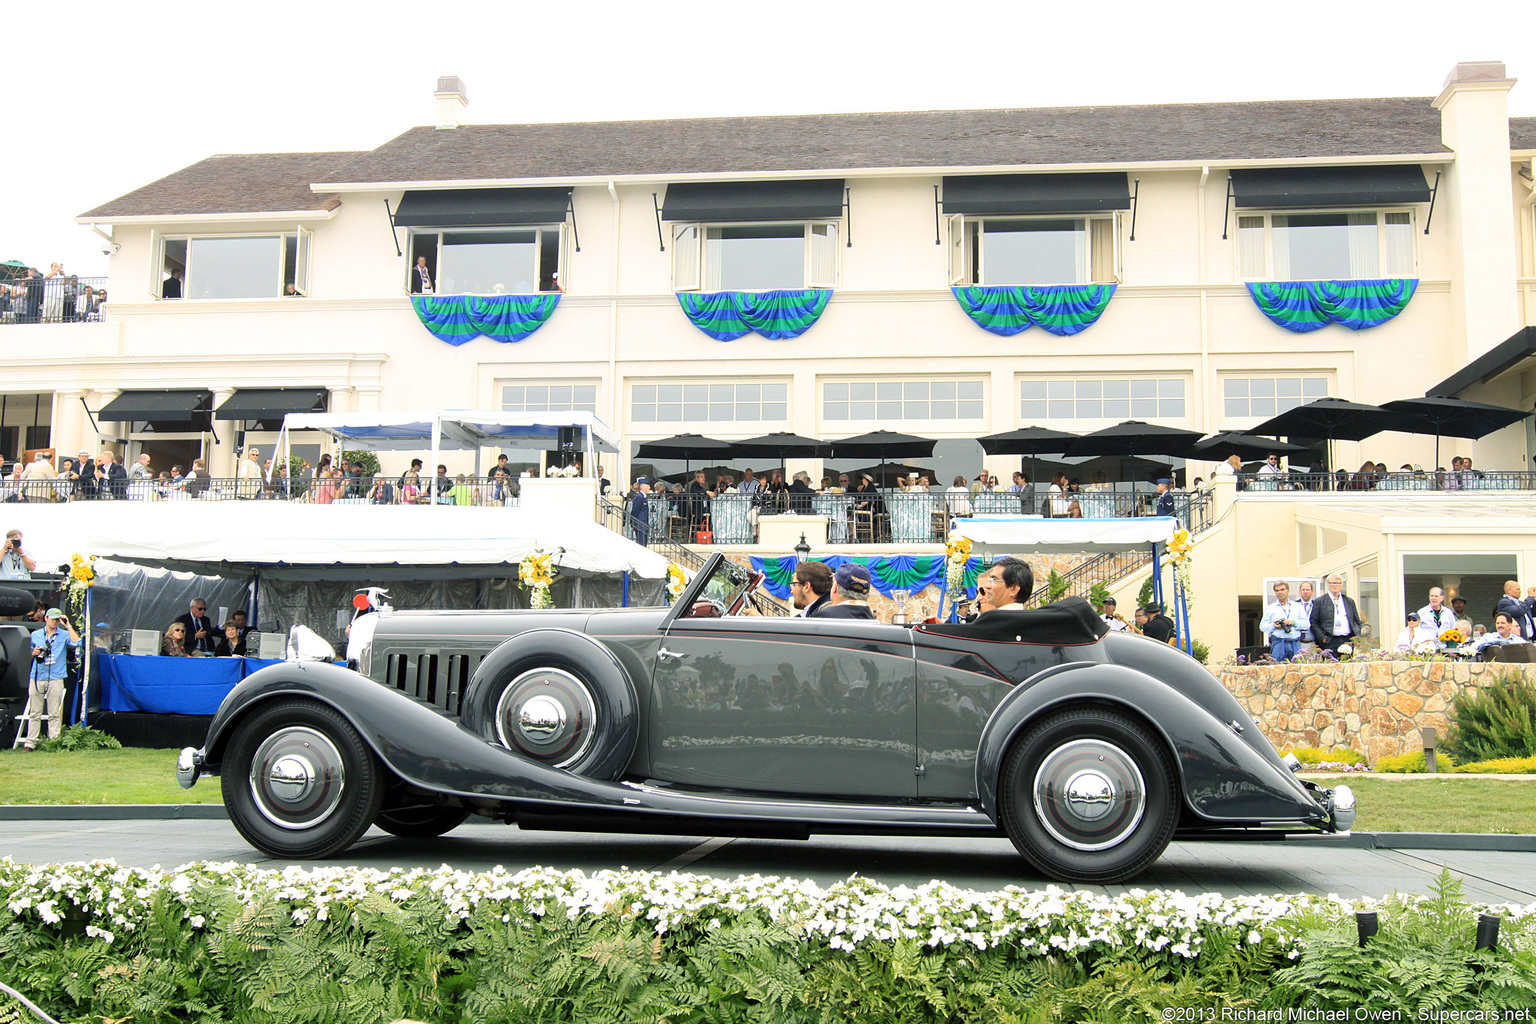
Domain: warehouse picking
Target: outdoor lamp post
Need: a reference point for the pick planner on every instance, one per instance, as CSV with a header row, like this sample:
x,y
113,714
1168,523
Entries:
x,y
802,551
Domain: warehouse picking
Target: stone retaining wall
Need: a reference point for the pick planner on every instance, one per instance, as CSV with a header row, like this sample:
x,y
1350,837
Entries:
x,y
1376,708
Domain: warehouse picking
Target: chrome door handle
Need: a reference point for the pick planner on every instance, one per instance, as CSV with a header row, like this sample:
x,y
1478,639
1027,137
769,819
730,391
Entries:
x,y
666,655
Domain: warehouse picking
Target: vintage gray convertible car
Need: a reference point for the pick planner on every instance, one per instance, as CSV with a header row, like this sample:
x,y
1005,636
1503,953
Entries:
x,y
1089,751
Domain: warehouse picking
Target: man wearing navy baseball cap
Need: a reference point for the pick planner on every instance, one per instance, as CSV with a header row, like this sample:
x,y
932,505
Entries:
x,y
850,594
1164,496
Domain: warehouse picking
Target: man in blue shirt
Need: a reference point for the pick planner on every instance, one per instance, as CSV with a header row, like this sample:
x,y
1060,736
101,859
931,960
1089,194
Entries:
x,y
50,667
1283,622
1164,496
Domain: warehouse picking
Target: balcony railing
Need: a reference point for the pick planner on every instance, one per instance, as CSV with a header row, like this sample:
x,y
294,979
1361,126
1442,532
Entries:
x,y
477,491
895,517
1452,481
52,300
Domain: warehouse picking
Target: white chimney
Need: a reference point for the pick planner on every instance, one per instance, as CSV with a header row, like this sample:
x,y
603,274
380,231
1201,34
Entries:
x,y
451,102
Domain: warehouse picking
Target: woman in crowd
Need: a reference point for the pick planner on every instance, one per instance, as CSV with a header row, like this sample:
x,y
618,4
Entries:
x,y
959,497
326,486
170,643
1060,504
924,485
230,645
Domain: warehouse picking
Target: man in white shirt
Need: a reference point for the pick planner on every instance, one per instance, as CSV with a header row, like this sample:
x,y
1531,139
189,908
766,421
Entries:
x,y
249,473
749,483
1271,466
1435,618
1508,632
1283,624
1112,620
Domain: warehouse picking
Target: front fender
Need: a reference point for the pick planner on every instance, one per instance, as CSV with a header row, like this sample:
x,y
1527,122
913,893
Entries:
x,y
1222,777
421,744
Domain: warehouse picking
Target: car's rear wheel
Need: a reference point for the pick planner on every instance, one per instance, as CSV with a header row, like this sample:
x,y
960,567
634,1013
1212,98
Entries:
x,y
425,821
558,698
1087,795
299,781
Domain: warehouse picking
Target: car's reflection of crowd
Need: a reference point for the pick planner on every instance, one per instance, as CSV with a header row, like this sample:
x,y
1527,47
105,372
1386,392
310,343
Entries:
x,y
837,686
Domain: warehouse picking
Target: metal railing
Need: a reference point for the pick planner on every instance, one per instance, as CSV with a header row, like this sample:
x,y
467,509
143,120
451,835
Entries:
x,y
468,491
895,517
1107,567
1400,480
61,299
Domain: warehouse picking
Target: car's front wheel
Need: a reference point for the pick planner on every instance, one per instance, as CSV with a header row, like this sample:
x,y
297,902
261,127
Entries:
x,y
1087,795
299,781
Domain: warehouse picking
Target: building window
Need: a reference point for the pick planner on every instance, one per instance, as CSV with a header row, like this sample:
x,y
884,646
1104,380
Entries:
x,y
1033,251
1134,398
232,266
550,396
890,400
1325,246
1263,397
489,261
726,402
754,257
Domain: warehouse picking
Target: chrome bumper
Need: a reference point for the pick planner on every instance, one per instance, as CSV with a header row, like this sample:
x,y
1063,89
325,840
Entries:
x,y
1341,808
189,767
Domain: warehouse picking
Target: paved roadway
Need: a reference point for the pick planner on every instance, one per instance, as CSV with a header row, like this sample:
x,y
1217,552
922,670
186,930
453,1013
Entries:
x,y
1229,868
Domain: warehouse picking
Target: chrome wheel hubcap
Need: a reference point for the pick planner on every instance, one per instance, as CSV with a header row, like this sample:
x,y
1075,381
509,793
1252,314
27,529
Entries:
x,y
1089,794
297,778
547,715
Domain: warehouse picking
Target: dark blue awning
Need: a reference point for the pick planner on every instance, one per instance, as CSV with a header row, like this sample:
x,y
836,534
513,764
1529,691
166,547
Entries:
x,y
1001,195
1300,187
720,201
483,207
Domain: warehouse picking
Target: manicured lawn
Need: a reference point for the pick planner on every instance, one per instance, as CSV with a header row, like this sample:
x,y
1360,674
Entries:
x,y
132,775
140,776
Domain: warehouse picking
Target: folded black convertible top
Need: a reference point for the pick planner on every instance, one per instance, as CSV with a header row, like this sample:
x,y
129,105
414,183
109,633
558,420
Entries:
x,y
1071,620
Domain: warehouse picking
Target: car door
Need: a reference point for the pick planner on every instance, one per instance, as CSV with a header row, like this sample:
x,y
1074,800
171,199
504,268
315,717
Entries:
x,y
793,706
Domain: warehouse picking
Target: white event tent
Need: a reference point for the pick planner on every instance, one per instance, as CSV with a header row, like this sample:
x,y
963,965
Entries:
x,y
436,430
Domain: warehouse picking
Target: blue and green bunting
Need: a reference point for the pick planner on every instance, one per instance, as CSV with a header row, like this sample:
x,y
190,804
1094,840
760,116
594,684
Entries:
x,y
726,316
895,572
1303,306
460,318
1062,309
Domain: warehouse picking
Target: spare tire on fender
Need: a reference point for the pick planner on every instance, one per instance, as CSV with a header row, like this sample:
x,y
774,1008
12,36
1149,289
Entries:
x,y
556,697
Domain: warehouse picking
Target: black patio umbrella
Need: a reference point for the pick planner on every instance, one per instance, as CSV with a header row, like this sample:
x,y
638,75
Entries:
x,y
1455,417
686,447
1334,419
882,445
1244,446
1134,437
1032,441
779,445
886,473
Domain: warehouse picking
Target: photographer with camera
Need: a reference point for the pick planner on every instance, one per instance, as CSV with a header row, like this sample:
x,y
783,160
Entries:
x,y
15,564
50,667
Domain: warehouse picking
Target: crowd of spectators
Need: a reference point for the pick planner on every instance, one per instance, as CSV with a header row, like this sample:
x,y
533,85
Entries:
x,y
1371,475
54,298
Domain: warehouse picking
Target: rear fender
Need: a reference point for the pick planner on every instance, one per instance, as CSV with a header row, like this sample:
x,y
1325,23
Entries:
x,y
1222,777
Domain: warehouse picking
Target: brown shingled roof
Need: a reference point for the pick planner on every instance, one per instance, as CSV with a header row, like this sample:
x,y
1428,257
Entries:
x,y
1279,130
233,183
1522,133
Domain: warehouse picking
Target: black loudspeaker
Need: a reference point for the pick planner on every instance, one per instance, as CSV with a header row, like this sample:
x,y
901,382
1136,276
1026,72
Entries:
x,y
570,438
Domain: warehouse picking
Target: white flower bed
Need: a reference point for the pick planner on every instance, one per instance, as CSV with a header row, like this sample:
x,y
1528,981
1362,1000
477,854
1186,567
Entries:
x,y
115,900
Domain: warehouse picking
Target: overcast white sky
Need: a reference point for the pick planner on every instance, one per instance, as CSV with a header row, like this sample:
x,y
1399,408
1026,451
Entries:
x,y
105,97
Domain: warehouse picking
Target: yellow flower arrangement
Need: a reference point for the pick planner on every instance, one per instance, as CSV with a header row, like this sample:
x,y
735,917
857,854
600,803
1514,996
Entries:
x,y
1181,556
537,572
957,552
1453,636
82,577
676,581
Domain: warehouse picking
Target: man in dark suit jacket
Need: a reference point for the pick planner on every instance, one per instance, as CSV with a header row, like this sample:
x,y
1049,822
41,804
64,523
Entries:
x,y
1159,626
1325,618
1519,611
111,477
199,635
85,487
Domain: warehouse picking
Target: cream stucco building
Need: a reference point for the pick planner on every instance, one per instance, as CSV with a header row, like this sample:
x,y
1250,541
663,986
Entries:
x,y
1179,207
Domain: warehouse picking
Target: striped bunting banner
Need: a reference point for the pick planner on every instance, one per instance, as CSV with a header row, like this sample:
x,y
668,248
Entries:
x,y
779,315
1062,309
505,318
1303,306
